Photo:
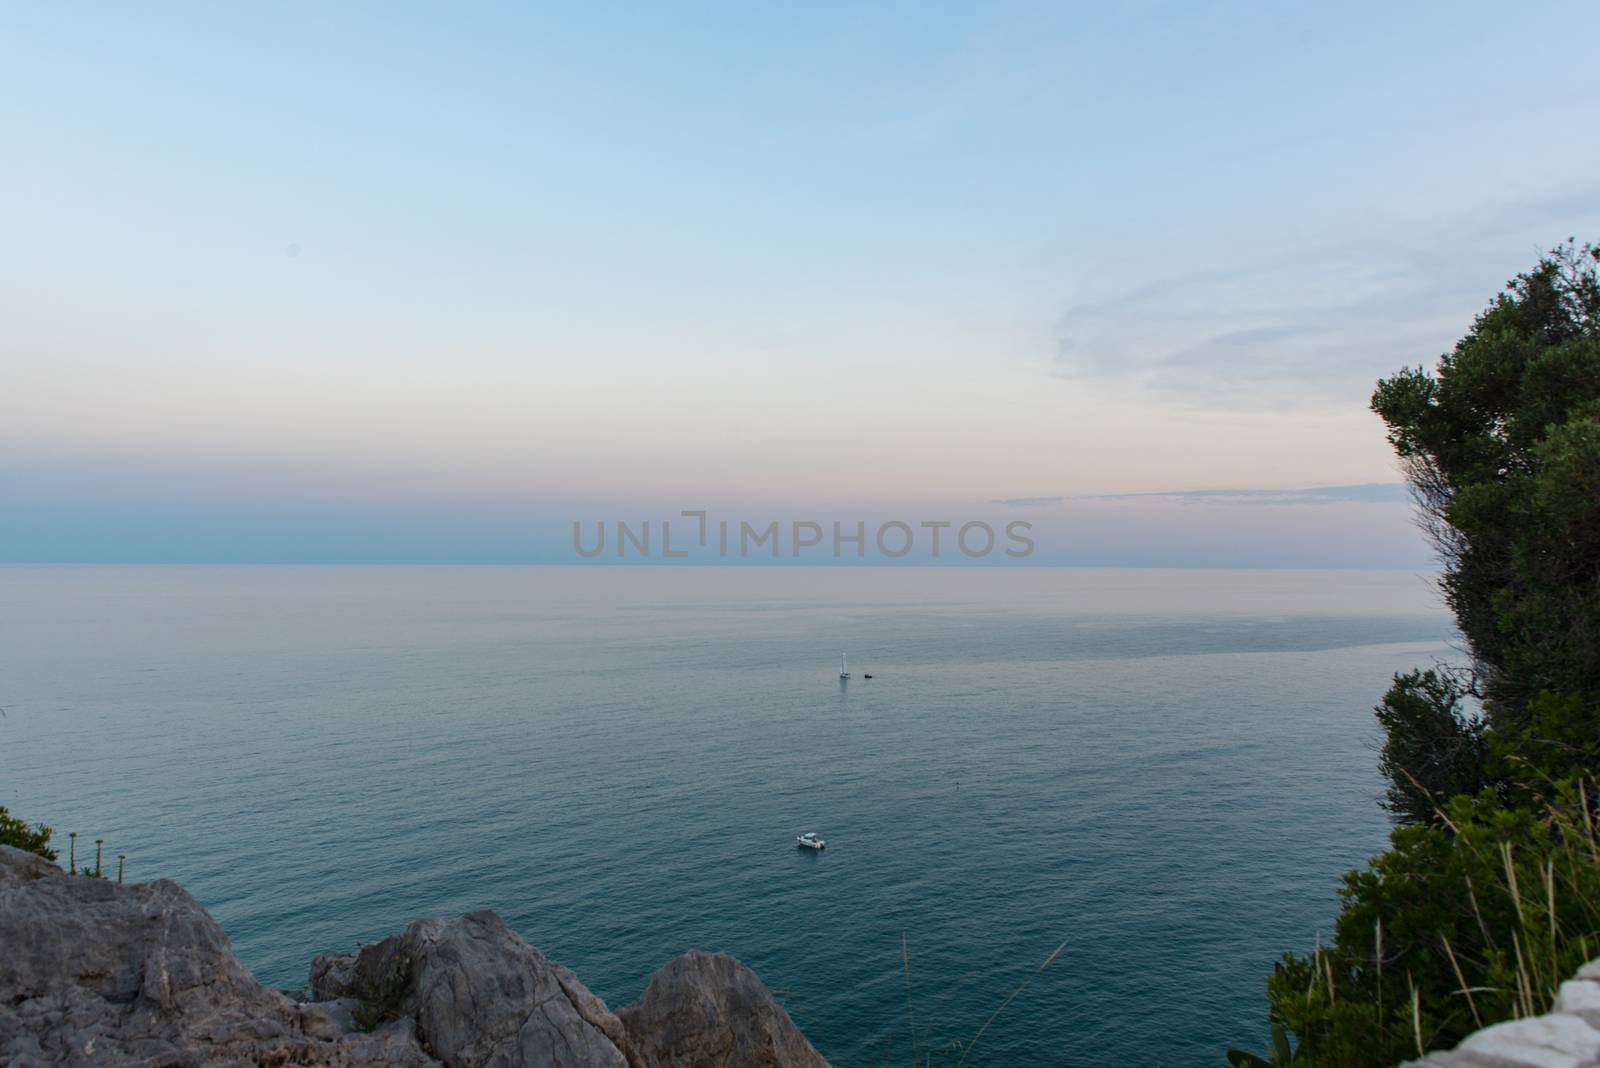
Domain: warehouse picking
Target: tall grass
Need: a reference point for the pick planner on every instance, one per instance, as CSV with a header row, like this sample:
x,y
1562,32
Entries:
x,y
1456,928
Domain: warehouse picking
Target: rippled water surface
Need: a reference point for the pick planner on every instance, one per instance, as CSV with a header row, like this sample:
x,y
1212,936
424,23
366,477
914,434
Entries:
x,y
1165,771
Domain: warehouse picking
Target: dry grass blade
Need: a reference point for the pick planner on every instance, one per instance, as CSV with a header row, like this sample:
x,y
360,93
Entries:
x,y
1550,905
1416,1015
1444,817
993,1016
1483,928
911,1020
1524,984
1511,884
1462,979
1377,956
1588,818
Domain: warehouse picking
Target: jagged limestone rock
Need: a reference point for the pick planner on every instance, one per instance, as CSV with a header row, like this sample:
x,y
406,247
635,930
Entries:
x,y
480,996
96,973
93,973
708,1009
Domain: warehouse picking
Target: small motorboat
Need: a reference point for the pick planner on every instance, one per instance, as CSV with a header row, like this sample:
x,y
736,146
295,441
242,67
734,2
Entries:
x,y
867,676
809,840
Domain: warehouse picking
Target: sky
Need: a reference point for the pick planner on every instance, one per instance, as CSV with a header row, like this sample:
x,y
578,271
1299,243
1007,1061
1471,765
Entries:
x,y
409,283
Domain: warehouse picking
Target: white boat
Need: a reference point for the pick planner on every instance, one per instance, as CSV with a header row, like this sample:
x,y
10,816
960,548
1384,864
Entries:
x,y
809,840
844,672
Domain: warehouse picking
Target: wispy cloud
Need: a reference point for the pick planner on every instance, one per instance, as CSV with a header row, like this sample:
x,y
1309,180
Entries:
x,y
1027,502
1360,493
1311,326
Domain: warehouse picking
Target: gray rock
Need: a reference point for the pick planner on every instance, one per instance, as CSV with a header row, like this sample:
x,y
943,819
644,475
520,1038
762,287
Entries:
x,y
331,1019
708,1009
482,996
343,1011
330,975
97,973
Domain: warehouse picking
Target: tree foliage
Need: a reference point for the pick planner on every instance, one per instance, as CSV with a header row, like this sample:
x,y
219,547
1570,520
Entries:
x,y
1433,748
1502,448
1489,894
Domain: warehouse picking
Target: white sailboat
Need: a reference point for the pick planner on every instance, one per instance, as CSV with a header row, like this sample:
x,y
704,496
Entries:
x,y
844,671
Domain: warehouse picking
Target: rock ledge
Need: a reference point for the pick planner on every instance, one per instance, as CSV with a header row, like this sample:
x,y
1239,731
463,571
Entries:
x,y
94,973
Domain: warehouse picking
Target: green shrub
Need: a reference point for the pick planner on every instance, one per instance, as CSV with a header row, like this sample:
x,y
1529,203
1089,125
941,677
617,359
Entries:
x,y
1432,747
36,839
1460,925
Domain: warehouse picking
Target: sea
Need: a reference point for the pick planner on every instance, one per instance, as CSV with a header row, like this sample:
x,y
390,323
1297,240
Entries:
x,y
1073,817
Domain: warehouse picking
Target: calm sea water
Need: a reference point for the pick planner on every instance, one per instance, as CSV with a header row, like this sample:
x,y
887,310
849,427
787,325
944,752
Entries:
x,y
1165,771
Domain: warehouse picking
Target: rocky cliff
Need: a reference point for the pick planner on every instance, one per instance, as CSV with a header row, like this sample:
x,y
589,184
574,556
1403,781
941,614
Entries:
x,y
95,973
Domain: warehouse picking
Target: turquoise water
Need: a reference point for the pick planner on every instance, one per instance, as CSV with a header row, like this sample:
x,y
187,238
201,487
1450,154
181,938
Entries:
x,y
1163,771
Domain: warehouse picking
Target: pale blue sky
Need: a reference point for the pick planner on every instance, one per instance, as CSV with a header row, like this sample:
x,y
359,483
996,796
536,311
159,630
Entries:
x,y
402,282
